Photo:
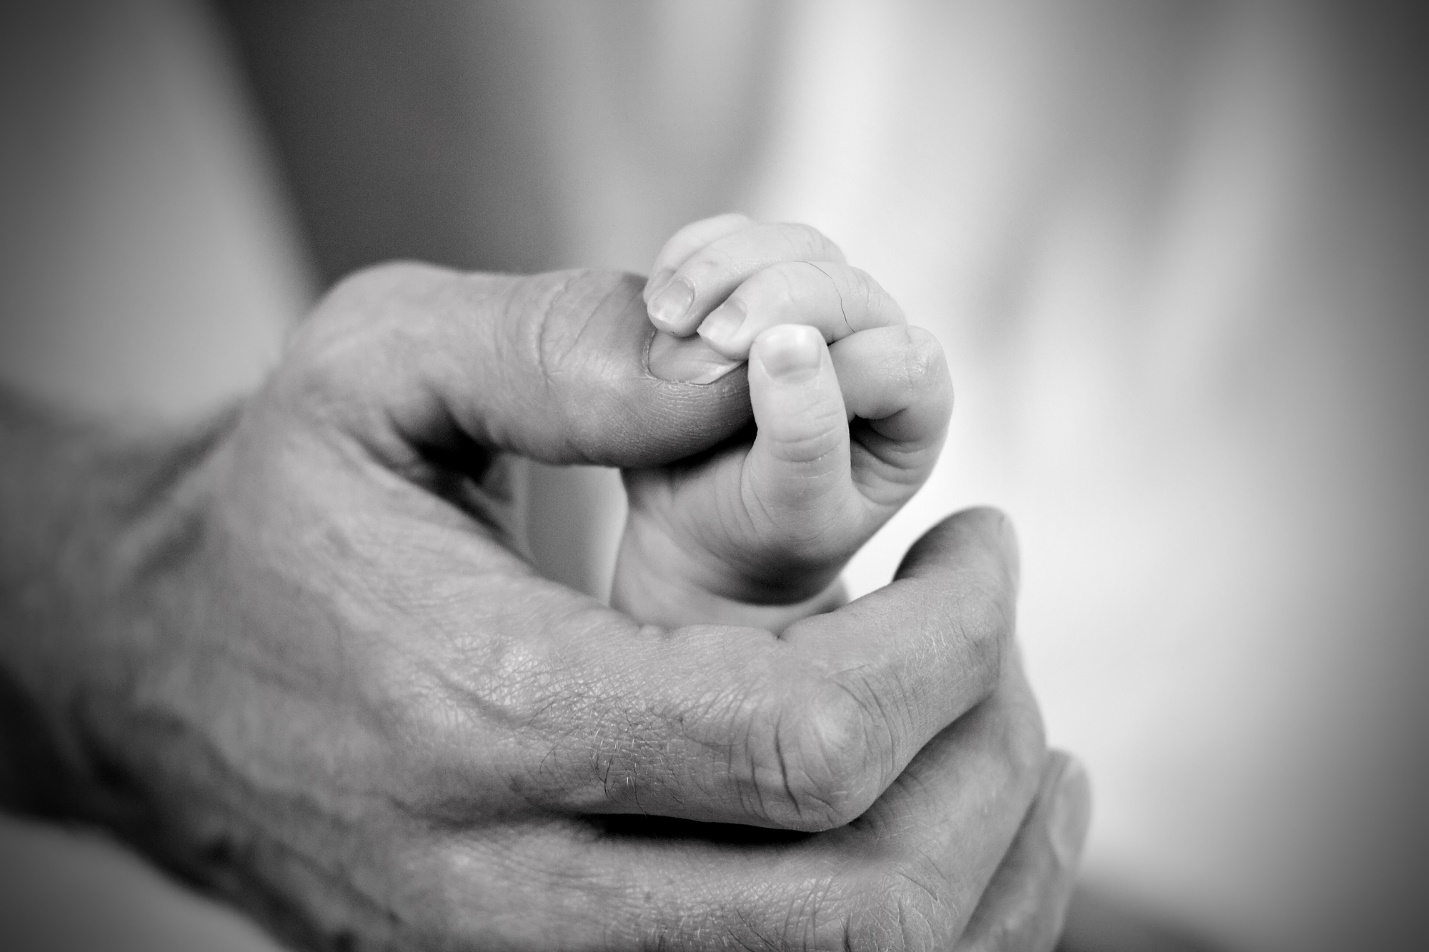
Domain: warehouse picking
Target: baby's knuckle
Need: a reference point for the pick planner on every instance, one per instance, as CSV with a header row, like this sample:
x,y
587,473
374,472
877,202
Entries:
x,y
867,287
814,437
775,293
924,361
707,267
806,240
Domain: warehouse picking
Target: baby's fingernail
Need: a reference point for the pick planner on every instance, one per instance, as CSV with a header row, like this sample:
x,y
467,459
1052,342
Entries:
x,y
655,282
670,304
790,353
687,360
720,328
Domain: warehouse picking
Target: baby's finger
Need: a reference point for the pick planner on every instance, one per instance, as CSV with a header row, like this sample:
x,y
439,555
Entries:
x,y
835,298
687,241
795,481
895,380
704,279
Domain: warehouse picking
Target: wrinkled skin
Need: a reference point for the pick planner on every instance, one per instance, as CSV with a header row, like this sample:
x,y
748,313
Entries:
x,y
308,669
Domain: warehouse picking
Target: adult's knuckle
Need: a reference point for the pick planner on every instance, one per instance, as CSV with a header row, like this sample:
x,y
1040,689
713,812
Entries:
x,y
334,355
824,763
545,351
539,334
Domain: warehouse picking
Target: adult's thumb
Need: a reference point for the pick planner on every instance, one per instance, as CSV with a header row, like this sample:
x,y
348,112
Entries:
x,y
552,366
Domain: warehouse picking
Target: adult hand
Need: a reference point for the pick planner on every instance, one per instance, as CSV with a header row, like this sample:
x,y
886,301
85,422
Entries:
x,y
321,682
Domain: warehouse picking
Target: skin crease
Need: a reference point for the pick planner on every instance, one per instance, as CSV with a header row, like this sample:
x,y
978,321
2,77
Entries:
x,y
298,661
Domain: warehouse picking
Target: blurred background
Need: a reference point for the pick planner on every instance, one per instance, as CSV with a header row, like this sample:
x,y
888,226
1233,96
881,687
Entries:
x,y
1176,253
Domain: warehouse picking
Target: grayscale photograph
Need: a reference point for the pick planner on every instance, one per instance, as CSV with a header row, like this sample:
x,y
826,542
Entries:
x,y
714,476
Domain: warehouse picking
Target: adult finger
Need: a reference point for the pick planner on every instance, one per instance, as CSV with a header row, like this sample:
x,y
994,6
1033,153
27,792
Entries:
x,y
1025,906
550,366
686,242
704,279
732,724
835,298
895,381
915,655
906,875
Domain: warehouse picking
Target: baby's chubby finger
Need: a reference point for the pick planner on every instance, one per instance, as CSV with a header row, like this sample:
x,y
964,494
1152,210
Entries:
x,y
687,241
706,277
895,380
796,481
837,299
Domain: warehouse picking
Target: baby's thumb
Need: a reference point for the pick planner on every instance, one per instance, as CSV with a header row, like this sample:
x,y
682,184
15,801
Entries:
x,y
798,468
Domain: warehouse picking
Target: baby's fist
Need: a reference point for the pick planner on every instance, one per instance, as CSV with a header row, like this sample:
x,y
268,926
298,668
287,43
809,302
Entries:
x,y
851,408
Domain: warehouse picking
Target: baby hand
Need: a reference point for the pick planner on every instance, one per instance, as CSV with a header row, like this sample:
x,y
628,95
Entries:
x,y
851,407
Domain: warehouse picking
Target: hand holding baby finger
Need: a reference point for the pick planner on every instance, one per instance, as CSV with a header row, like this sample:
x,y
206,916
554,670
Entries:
x,y
705,277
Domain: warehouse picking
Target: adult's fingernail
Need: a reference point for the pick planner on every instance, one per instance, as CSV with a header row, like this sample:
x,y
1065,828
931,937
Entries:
x,y
790,352
1071,814
721,327
687,360
671,303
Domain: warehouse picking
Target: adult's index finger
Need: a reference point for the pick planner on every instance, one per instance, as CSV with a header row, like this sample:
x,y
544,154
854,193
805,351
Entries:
x,y
922,651
735,725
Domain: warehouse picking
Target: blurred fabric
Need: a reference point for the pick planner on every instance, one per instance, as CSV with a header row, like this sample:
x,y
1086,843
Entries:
x,y
1175,253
